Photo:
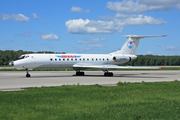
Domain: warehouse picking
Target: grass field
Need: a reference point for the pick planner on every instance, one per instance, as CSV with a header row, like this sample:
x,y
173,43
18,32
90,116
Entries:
x,y
127,101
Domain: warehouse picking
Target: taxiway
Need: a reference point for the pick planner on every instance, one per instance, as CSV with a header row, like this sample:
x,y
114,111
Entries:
x,y
16,79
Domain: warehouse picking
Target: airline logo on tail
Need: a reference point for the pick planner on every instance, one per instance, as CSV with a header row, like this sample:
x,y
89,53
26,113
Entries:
x,y
130,44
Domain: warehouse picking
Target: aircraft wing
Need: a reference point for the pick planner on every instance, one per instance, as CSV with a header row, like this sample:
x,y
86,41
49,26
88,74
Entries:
x,y
112,67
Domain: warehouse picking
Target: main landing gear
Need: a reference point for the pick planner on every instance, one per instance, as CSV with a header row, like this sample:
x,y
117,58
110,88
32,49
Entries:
x,y
106,73
27,73
78,73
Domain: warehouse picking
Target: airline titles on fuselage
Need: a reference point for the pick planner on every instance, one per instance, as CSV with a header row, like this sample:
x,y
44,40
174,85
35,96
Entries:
x,y
68,56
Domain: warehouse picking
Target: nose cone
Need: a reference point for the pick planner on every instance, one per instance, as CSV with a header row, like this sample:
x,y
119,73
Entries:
x,y
11,63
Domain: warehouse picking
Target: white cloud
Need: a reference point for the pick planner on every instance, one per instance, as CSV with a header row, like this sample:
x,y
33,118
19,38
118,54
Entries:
x,y
129,6
108,17
76,9
149,52
92,41
172,48
84,42
79,10
126,6
26,34
135,20
159,2
80,26
17,18
178,6
95,45
46,21
82,49
49,37
86,11
99,40
35,16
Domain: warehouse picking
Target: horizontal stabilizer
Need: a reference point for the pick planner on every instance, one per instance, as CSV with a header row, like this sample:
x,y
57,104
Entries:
x,y
138,36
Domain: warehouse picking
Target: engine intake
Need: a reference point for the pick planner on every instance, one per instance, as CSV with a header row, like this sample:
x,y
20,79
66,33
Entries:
x,y
114,58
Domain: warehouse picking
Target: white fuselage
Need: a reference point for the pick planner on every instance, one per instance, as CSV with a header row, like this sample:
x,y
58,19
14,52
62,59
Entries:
x,y
78,62
31,61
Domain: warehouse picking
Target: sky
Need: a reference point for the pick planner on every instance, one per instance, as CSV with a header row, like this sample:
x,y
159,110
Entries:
x,y
89,26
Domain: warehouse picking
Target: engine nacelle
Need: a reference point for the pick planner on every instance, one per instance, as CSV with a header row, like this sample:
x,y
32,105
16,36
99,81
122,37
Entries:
x,y
122,58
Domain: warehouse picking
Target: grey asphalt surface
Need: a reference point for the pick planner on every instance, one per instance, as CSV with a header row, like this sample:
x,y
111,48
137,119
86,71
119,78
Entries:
x,y
14,80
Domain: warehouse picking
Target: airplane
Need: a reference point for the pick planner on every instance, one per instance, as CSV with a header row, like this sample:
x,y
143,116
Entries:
x,y
79,62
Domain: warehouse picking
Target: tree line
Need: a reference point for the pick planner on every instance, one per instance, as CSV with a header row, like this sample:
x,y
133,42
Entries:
x,y
142,60
154,60
9,55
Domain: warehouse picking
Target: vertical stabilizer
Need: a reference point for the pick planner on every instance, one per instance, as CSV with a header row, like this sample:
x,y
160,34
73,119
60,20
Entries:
x,y
130,46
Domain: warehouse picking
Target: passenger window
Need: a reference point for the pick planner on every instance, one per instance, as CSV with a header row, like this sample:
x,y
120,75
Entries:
x,y
76,59
99,58
80,59
103,59
96,59
51,59
83,59
107,59
87,59
59,59
92,59
67,59
71,59
63,59
55,59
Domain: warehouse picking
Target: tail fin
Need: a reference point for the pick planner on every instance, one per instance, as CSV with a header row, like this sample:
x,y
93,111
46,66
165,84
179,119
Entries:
x,y
130,46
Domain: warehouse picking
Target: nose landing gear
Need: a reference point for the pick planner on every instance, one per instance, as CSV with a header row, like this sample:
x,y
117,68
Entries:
x,y
27,73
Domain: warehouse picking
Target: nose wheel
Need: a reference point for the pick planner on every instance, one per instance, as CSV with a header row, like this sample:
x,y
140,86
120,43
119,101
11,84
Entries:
x,y
27,73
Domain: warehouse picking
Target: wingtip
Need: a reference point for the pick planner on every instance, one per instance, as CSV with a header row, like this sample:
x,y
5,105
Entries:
x,y
164,35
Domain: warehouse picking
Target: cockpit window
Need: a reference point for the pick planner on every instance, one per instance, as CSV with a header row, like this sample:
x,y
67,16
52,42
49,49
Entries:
x,y
26,56
21,57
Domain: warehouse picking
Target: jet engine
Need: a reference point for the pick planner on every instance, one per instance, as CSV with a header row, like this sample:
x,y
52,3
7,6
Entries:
x,y
122,58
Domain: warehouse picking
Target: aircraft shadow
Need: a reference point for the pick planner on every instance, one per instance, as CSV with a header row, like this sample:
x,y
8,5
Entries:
x,y
141,75
124,76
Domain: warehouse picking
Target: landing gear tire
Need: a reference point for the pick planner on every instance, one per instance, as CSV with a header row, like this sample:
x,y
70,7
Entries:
x,y
28,75
80,73
108,74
